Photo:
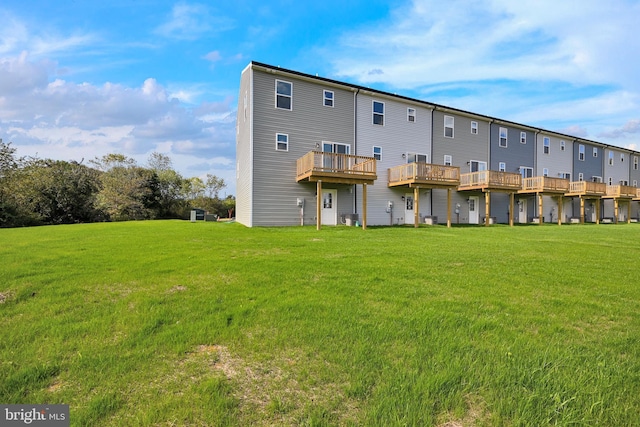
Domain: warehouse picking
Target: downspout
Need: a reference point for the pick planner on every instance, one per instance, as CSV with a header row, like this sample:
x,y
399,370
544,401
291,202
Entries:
x,y
432,150
355,145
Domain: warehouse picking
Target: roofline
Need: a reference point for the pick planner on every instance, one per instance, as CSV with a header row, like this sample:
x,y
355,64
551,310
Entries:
x,y
431,105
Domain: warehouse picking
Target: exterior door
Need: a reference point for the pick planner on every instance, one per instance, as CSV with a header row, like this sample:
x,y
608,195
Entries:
x,y
522,211
474,214
409,213
329,207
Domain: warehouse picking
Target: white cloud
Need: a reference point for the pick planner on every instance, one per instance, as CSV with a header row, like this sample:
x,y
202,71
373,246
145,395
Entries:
x,y
213,56
191,21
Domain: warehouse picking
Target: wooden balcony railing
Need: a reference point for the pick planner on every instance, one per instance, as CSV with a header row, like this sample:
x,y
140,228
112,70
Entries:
x,y
545,184
637,196
346,168
587,188
621,191
490,180
425,174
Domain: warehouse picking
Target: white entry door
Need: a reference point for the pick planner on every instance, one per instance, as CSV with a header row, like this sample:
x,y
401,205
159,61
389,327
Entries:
x,y
522,211
329,207
409,213
474,213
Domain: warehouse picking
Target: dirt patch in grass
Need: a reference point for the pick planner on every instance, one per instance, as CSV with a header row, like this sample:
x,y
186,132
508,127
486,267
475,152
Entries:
x,y
178,288
477,414
280,391
5,296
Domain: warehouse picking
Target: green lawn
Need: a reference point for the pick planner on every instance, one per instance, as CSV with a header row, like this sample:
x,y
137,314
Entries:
x,y
171,323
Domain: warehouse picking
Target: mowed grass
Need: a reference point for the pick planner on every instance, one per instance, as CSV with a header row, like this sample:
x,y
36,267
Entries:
x,y
170,323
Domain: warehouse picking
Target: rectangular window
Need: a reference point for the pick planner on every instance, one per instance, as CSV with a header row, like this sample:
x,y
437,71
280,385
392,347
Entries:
x,y
565,175
417,158
448,126
502,167
545,172
623,182
580,176
546,142
635,162
621,157
284,95
562,144
595,151
503,138
610,158
523,137
474,128
610,181
378,113
635,182
448,160
581,153
526,172
328,98
476,166
411,114
377,153
596,178
282,142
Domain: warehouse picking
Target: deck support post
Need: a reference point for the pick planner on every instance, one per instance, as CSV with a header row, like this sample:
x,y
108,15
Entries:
x,y
560,203
540,210
487,207
416,207
598,211
364,206
616,207
512,197
629,212
449,207
581,210
318,204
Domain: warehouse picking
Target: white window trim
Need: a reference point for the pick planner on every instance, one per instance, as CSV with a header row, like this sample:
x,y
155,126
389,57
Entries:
x,y
506,137
325,99
373,112
581,152
410,115
426,156
635,182
546,145
610,181
474,128
562,145
286,96
596,178
452,127
502,167
580,176
635,163
377,154
523,137
448,157
611,158
595,151
545,172
280,142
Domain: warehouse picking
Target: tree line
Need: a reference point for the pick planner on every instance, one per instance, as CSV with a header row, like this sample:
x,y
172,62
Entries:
x,y
113,187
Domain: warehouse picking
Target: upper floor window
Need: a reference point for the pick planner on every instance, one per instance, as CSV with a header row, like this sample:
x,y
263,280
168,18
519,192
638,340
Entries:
x,y
545,172
622,157
635,162
377,153
610,158
378,113
523,137
562,144
595,151
448,126
546,142
502,167
417,158
503,137
448,160
610,181
411,114
284,94
580,176
474,128
581,152
328,98
282,142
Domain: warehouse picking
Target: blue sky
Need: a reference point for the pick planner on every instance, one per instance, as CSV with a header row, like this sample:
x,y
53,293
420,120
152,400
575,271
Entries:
x,y
79,79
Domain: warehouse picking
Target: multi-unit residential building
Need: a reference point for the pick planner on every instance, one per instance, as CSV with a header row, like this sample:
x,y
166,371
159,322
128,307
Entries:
x,y
312,150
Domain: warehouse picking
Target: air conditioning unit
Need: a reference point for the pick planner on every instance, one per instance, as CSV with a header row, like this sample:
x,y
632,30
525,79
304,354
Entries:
x,y
351,219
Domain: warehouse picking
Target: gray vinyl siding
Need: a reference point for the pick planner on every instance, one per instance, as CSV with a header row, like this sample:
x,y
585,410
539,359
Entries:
x,y
590,166
463,147
396,137
557,161
308,124
515,155
244,164
619,171
634,174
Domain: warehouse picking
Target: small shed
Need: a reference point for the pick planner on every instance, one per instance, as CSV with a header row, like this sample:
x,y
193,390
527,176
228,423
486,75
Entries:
x,y
197,214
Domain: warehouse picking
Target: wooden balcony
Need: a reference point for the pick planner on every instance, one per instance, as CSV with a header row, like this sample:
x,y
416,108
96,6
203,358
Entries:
x,y
587,188
620,192
424,175
544,184
637,196
490,180
336,168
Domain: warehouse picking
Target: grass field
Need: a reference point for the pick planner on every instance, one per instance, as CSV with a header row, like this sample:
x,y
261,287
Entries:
x,y
169,323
